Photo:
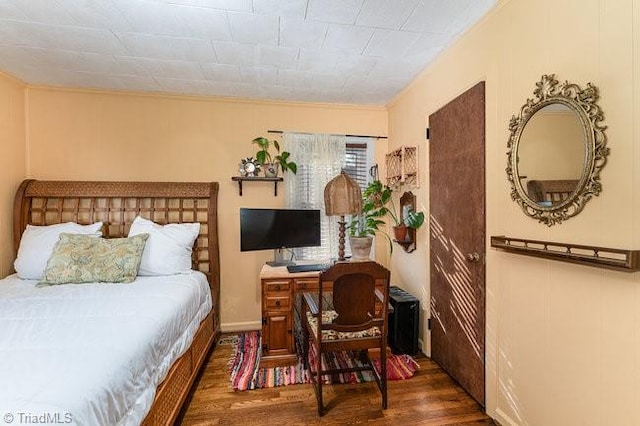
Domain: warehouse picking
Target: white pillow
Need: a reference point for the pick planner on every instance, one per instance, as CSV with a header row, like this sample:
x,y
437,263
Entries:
x,y
168,248
37,242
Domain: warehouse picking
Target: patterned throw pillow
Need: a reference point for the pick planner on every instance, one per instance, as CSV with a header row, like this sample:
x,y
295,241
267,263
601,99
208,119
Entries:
x,y
80,259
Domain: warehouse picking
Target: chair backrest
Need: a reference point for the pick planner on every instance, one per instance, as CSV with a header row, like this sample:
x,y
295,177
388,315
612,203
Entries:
x,y
354,293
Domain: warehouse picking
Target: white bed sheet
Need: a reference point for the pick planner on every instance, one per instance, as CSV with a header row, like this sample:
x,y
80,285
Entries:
x,y
93,354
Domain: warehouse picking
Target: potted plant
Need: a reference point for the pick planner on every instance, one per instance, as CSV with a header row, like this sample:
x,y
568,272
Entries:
x,y
270,164
364,226
410,219
377,203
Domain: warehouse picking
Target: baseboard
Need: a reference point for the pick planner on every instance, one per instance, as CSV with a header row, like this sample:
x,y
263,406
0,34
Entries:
x,y
421,346
231,327
502,418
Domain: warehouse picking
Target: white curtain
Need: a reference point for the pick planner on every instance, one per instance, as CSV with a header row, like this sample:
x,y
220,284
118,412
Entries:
x,y
320,158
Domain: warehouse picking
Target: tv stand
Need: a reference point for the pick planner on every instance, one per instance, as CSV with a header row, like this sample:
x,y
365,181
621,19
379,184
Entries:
x,y
279,258
282,263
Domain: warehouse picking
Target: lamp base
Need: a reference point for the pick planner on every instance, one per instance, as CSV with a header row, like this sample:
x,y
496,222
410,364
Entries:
x,y
341,238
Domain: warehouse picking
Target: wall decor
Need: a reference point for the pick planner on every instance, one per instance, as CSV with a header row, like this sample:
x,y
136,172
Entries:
x,y
556,149
402,166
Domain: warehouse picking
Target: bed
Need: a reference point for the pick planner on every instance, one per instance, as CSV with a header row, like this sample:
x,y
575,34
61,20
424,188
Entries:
x,y
117,204
551,191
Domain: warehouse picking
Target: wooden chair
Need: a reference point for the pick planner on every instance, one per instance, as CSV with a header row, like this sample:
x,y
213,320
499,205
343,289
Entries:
x,y
352,300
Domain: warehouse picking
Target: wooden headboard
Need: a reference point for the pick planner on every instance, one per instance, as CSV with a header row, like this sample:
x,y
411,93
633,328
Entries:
x,y
117,204
551,190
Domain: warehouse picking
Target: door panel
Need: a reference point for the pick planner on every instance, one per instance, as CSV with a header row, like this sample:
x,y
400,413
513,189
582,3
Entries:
x,y
457,232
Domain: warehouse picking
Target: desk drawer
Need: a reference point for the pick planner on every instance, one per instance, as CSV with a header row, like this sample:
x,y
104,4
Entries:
x,y
305,284
271,286
276,301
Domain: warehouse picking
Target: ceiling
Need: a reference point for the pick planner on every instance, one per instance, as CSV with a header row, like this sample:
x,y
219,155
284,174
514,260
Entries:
x,y
340,51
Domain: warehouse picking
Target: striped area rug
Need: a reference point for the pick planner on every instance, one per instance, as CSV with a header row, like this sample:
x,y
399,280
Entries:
x,y
246,373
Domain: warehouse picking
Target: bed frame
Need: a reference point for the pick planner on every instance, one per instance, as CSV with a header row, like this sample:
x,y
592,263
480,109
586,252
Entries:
x,y
117,204
551,190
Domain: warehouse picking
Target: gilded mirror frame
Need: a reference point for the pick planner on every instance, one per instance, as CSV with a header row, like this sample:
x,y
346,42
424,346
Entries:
x,y
583,102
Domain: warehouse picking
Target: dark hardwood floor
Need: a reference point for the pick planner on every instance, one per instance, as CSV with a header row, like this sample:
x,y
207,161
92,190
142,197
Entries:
x,y
431,397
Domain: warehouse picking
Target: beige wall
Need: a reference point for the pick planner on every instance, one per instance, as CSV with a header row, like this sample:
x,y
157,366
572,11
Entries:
x,y
113,136
12,161
562,343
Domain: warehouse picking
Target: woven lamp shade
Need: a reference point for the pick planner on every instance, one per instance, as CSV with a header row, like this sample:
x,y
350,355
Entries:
x,y
342,196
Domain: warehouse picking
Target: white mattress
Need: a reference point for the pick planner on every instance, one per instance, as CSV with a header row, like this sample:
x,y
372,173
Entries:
x,y
93,354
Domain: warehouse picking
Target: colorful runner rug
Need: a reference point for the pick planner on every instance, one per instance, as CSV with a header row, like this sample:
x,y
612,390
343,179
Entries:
x,y
246,373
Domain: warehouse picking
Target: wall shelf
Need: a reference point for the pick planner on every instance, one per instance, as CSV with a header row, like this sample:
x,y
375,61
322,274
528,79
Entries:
x,y
409,242
600,257
241,179
402,166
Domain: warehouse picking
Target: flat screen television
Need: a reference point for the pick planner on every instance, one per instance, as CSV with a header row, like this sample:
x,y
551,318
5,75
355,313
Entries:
x,y
277,229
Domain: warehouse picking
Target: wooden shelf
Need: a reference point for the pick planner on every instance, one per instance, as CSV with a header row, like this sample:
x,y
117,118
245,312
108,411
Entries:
x,y
407,246
402,166
409,243
600,257
241,179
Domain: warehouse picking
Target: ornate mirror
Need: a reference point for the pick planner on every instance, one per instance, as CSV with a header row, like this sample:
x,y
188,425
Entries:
x,y
556,149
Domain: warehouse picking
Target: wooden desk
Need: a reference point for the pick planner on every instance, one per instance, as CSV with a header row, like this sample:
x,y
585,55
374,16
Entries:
x,y
281,303
280,294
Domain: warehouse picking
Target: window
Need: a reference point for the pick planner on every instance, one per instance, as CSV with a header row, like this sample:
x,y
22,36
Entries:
x,y
320,158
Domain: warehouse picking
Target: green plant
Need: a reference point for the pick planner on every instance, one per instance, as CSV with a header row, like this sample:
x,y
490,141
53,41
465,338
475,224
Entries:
x,y
414,219
263,156
377,197
377,204
371,218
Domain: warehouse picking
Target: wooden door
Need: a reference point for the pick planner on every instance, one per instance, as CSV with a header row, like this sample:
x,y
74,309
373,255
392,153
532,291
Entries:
x,y
457,232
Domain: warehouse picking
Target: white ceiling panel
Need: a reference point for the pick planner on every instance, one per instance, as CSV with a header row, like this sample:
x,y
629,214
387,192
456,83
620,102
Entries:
x,y
41,11
95,14
164,20
345,51
259,75
348,37
222,73
8,10
299,79
390,43
283,8
165,47
302,33
334,11
434,16
385,14
60,37
334,61
236,53
279,57
83,61
251,28
234,5
163,68
204,23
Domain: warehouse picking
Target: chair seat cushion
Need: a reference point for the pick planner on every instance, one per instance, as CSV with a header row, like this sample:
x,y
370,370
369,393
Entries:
x,y
328,317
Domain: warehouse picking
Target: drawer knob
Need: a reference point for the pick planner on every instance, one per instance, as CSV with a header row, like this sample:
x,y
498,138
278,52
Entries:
x,y
277,303
277,286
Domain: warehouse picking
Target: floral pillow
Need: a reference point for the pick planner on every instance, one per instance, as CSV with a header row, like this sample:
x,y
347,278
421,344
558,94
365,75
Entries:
x,y
80,259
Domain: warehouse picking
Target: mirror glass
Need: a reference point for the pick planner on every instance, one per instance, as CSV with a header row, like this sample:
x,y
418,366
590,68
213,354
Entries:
x,y
551,148
557,147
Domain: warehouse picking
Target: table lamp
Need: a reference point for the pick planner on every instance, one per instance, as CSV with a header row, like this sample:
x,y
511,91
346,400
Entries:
x,y
342,196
